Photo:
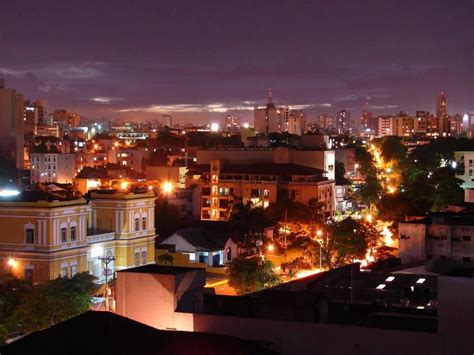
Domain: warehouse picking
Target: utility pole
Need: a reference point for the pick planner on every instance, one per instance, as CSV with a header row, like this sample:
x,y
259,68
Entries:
x,y
106,260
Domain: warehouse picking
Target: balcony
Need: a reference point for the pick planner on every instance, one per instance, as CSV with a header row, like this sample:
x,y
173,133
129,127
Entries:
x,y
95,235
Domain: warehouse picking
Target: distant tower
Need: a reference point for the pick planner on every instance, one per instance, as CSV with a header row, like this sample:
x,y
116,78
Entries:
x,y
441,105
342,121
270,96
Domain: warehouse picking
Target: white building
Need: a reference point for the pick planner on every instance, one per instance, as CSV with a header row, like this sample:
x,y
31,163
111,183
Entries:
x,y
465,168
52,167
448,235
385,126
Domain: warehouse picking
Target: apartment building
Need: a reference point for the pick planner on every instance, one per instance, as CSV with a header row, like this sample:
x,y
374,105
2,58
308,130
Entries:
x,y
221,184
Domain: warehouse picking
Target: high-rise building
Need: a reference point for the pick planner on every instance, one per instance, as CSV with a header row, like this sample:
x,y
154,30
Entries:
x,y
12,125
30,117
60,116
232,124
366,118
270,118
73,119
296,123
385,126
441,105
343,118
324,122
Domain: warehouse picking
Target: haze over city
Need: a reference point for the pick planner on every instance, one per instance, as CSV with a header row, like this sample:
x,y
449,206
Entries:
x,y
139,60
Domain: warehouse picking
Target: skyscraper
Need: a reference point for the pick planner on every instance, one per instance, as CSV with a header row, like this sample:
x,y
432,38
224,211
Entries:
x,y
12,126
342,121
441,105
270,118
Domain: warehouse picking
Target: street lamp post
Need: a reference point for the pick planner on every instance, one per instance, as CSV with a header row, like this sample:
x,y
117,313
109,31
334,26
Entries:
x,y
106,260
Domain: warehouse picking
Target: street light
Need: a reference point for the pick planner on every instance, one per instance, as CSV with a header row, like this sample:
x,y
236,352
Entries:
x,y
167,187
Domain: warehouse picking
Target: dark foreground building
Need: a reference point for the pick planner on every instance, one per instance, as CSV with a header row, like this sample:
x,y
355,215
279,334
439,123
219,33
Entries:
x,y
108,333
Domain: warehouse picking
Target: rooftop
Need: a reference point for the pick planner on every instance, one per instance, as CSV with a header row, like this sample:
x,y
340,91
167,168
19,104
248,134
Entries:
x,y
109,333
265,169
160,269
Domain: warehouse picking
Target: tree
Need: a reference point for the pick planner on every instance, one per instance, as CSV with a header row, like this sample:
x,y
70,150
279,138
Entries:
x,y
370,190
340,172
25,308
55,301
392,148
166,216
305,248
448,188
251,275
247,223
347,242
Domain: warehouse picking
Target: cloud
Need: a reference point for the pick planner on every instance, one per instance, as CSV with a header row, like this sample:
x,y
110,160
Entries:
x,y
79,70
213,107
105,100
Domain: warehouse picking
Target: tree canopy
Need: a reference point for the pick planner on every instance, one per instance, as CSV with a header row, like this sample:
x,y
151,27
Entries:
x,y
26,308
252,274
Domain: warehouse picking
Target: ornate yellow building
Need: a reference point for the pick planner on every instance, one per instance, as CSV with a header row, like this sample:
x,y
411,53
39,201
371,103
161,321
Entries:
x,y
42,238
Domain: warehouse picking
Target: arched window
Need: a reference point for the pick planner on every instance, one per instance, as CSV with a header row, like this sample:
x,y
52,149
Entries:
x,y
137,224
29,273
29,236
63,234
229,254
73,233
144,261
144,223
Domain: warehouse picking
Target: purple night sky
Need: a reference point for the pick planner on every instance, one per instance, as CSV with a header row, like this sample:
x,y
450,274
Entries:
x,y
200,60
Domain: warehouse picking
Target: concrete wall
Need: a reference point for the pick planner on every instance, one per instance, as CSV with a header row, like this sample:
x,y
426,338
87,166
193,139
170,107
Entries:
x,y
456,314
412,238
152,298
314,338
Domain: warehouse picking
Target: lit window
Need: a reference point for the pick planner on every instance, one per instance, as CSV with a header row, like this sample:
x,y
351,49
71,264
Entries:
x,y
30,236
63,272
420,281
73,270
380,287
390,279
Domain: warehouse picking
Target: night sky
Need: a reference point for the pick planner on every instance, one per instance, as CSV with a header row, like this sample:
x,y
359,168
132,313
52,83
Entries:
x,y
200,60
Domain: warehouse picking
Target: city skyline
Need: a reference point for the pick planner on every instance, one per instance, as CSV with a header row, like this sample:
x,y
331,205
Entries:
x,y
81,60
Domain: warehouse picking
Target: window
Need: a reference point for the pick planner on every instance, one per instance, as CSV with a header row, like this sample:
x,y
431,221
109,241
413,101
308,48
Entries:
x,y
137,224
63,235
63,272
466,238
30,236
137,258
144,261
73,270
144,223
73,233
29,274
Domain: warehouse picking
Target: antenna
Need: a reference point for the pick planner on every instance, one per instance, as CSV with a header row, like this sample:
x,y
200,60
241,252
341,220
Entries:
x,y
270,95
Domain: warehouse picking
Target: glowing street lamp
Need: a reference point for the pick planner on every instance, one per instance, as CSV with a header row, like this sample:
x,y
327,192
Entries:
x,y
270,247
11,262
123,185
167,187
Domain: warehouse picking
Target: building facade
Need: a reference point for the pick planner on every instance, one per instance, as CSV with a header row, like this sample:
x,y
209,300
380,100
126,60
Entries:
x,y
46,238
222,185
52,167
